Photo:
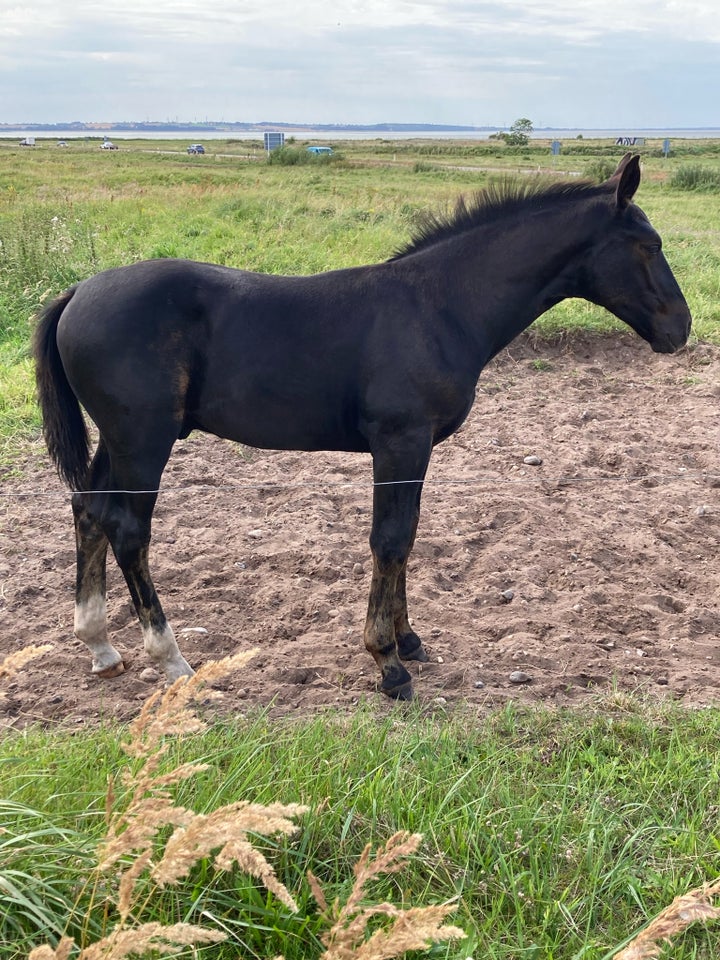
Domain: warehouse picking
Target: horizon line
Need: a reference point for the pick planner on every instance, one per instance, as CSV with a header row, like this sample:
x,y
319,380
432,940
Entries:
x,y
219,125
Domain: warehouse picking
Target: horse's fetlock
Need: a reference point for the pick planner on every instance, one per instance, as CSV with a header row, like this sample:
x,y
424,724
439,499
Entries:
x,y
161,647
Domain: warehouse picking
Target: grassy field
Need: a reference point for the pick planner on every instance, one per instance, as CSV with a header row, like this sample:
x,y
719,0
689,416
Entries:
x,y
558,833
67,213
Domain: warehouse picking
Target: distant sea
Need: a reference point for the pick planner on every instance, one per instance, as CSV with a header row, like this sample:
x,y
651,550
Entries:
x,y
193,135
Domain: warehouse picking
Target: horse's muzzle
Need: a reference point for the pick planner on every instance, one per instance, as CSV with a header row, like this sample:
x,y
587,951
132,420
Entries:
x,y
672,340
667,345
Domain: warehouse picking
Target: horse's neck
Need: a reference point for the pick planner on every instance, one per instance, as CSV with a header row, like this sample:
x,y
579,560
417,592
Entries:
x,y
507,275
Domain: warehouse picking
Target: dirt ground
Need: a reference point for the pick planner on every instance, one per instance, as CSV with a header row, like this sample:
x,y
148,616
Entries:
x,y
535,582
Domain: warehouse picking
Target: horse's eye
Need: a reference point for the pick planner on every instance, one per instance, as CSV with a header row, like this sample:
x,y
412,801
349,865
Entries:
x,y
654,249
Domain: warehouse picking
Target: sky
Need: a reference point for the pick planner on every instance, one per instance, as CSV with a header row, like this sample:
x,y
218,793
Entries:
x,y
589,64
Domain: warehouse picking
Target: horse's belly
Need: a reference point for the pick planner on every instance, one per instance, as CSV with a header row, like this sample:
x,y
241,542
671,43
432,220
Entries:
x,y
271,427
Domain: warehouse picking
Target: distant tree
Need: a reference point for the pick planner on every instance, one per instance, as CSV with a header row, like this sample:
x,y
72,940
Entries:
x,y
519,133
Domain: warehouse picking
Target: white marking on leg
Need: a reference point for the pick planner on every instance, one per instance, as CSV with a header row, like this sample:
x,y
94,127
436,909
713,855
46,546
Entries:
x,y
91,628
162,648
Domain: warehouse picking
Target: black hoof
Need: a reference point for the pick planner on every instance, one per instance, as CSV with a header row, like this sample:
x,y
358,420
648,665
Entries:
x,y
403,692
396,682
410,648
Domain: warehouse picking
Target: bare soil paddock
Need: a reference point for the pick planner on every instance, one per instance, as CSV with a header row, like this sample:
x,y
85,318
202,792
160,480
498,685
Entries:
x,y
599,566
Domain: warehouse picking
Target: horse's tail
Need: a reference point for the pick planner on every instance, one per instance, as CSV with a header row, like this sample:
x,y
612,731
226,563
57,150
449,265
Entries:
x,y
64,427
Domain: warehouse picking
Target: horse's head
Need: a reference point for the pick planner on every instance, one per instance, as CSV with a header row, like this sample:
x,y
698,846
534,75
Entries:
x,y
627,271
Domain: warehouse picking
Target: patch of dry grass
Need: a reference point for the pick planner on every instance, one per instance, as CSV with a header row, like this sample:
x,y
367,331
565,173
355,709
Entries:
x,y
135,856
416,928
13,664
152,842
673,920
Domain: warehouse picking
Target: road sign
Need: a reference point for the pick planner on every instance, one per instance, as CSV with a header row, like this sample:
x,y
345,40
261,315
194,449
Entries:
x,y
274,140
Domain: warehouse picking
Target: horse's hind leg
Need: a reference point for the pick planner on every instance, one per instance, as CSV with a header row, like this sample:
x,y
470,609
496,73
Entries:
x,y
123,518
90,602
127,525
91,545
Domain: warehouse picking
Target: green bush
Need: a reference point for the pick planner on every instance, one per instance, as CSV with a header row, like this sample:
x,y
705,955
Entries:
x,y
695,177
288,156
294,156
601,169
37,248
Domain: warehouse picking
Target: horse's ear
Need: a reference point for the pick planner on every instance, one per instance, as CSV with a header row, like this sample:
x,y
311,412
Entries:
x,y
626,179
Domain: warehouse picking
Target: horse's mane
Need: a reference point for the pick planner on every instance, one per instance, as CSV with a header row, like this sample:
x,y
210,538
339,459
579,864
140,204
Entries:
x,y
491,204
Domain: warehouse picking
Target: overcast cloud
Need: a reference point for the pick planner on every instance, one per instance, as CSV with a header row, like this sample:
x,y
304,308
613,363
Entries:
x,y
562,63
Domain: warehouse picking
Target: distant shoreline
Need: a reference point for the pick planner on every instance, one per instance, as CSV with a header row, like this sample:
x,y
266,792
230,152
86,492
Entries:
x,y
338,135
330,133
230,127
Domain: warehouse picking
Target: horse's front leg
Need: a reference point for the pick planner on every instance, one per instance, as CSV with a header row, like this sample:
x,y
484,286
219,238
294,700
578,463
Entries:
x,y
398,475
409,643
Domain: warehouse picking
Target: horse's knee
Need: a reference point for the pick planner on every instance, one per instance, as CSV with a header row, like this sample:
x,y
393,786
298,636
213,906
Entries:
x,y
389,556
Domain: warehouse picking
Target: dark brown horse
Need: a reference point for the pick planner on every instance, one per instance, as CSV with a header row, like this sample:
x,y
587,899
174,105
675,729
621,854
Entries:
x,y
382,359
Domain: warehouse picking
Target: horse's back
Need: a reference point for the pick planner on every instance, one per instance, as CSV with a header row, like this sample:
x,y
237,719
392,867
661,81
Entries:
x,y
170,297
304,362
267,360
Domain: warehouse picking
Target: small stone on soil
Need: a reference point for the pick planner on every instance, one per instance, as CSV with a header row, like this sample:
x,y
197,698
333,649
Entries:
x,y
519,676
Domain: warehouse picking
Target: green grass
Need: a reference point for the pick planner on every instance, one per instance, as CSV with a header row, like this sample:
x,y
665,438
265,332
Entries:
x,y
560,833
66,214
696,177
